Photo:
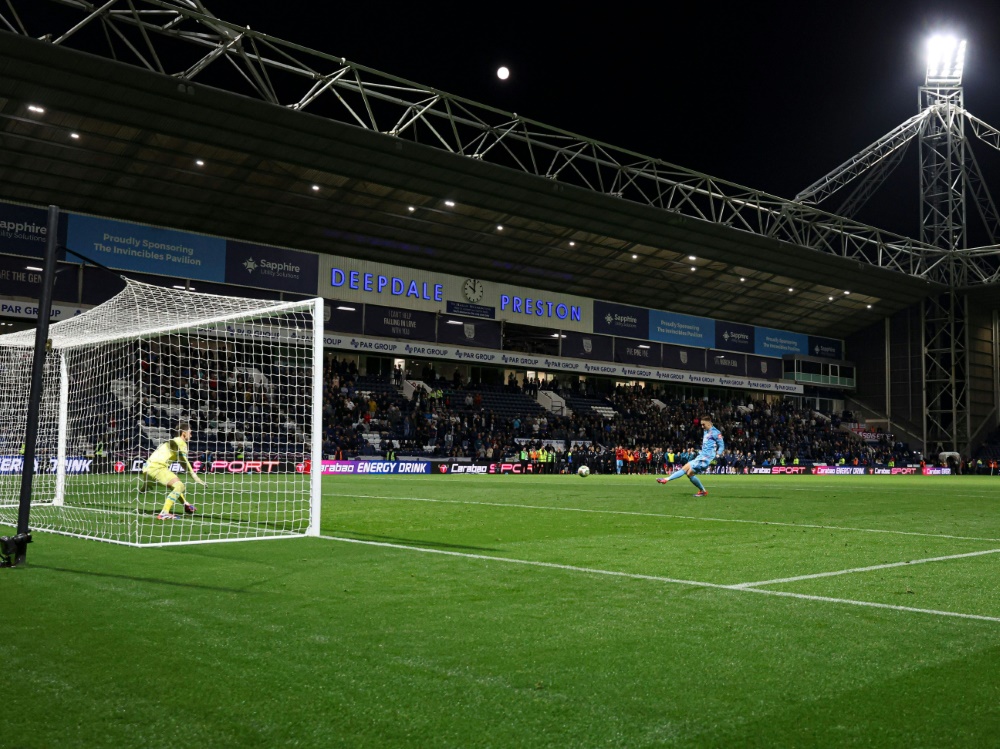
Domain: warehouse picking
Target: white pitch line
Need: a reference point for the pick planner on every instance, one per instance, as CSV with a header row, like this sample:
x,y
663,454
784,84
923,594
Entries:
x,y
872,568
531,563
657,578
870,604
674,517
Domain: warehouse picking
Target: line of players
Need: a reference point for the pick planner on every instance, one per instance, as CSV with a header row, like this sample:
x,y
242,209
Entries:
x,y
712,447
157,467
634,461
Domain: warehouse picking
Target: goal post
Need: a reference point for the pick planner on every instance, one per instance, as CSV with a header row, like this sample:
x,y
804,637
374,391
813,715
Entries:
x,y
119,379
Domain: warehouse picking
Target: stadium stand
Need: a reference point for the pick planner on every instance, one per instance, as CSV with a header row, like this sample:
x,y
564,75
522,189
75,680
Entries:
x,y
368,415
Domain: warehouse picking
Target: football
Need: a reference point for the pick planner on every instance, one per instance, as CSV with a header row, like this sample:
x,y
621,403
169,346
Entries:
x,y
583,471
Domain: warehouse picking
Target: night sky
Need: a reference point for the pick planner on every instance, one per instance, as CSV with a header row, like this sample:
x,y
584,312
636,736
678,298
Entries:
x,y
772,96
769,95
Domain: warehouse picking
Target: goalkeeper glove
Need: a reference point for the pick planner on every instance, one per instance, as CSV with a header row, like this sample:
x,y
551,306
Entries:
x,y
189,508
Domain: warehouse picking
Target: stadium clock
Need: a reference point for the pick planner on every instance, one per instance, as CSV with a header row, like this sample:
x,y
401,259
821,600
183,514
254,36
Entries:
x,y
472,289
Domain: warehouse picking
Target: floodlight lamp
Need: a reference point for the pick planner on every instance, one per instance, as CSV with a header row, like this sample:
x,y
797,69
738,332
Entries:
x,y
945,60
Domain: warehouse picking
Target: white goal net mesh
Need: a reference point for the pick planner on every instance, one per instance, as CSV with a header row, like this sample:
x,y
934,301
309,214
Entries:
x,y
120,379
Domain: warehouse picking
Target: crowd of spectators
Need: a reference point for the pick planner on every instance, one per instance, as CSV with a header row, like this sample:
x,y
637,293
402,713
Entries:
x,y
256,406
449,418
234,401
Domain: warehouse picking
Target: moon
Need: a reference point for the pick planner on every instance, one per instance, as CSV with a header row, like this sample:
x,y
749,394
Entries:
x,y
503,73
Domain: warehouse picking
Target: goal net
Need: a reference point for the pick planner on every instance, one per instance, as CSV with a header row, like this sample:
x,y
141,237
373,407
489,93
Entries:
x,y
120,378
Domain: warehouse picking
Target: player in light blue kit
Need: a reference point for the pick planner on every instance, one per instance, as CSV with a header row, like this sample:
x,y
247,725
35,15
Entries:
x,y
712,446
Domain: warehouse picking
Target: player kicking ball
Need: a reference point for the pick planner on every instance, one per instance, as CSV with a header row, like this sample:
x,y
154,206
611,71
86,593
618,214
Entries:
x,y
712,446
157,470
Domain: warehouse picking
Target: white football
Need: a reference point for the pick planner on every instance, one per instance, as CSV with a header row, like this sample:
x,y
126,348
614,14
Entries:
x,y
583,471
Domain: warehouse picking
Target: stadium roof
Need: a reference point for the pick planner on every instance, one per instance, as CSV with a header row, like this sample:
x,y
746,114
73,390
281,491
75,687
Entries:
x,y
141,134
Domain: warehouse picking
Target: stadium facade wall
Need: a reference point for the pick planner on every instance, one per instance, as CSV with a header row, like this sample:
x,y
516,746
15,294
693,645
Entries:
x,y
982,371
889,368
906,372
868,349
211,261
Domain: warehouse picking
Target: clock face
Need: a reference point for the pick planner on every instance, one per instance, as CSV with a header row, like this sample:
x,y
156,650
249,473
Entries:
x,y
472,289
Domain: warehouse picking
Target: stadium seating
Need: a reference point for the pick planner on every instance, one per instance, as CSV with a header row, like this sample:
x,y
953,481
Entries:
x,y
244,411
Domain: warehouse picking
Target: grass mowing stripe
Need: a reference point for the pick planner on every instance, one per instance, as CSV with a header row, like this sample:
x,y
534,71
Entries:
x,y
871,568
666,515
670,580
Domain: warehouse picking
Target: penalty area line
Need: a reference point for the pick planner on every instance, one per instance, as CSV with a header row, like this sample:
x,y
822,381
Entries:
x,y
872,568
661,579
527,562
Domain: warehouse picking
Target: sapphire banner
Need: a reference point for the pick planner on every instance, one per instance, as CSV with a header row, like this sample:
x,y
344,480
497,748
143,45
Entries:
x,y
271,267
829,348
733,336
23,230
619,319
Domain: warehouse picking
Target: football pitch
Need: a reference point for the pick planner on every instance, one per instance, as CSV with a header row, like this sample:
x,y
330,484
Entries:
x,y
510,611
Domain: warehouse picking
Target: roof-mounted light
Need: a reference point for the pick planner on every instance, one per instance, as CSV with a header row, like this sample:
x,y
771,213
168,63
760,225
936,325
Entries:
x,y
945,60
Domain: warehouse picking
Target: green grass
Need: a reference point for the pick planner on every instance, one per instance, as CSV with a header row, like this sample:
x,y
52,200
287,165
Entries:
x,y
449,611
108,506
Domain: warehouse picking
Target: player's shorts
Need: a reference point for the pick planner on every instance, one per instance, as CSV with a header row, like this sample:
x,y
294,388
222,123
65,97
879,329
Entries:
x,y
700,463
159,473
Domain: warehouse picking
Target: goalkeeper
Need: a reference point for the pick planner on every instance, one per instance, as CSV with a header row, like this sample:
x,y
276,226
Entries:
x,y
157,470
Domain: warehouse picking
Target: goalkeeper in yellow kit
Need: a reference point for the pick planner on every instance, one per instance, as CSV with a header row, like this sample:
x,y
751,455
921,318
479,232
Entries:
x,y
157,470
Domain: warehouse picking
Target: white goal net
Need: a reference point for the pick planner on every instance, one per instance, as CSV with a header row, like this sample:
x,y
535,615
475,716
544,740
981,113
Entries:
x,y
245,374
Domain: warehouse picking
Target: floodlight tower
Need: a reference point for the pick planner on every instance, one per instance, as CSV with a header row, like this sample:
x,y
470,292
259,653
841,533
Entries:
x,y
943,145
943,184
950,182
